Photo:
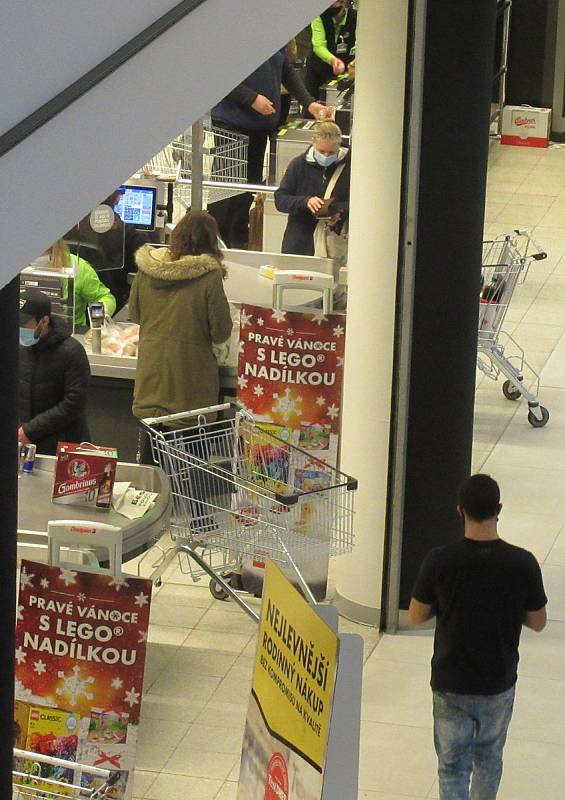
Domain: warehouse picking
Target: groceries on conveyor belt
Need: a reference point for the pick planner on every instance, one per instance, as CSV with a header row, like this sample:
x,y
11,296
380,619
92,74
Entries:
x,y
118,339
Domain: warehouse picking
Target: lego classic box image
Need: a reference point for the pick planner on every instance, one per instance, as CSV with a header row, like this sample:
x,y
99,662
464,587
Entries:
x,y
85,475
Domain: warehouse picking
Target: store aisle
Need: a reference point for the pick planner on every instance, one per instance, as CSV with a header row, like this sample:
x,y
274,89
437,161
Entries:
x,y
200,651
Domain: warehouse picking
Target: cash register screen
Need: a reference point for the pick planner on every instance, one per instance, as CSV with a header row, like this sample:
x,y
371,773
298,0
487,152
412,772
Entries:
x,y
136,206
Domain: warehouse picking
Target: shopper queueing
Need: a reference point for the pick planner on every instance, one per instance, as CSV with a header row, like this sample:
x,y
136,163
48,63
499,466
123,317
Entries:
x,y
481,590
53,378
254,108
304,184
178,299
333,45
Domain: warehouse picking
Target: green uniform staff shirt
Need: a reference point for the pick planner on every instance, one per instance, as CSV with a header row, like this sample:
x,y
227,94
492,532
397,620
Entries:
x,y
89,289
319,41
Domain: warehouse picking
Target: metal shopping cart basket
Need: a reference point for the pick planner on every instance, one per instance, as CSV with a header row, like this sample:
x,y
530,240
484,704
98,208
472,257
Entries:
x,y
224,161
505,264
241,494
36,776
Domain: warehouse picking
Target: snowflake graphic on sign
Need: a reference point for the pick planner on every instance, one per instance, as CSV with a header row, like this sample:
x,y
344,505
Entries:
x,y
26,580
132,697
75,686
68,577
141,599
287,406
118,582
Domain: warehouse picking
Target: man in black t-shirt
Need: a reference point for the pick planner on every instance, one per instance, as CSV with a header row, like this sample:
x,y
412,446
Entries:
x,y
481,591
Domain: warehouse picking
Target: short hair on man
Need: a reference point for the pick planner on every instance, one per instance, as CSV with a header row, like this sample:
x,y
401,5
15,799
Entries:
x,y
479,498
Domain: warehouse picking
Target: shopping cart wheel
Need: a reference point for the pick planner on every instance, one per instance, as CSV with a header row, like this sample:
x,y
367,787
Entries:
x,y
217,590
538,423
509,391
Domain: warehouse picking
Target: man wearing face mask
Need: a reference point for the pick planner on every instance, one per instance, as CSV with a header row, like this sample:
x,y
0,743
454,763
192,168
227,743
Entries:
x,y
304,184
53,378
333,45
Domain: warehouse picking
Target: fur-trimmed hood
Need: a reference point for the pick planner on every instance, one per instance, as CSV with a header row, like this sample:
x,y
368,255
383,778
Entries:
x,y
157,264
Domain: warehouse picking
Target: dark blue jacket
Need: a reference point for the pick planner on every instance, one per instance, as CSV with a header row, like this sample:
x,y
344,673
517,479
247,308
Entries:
x,y
235,112
303,179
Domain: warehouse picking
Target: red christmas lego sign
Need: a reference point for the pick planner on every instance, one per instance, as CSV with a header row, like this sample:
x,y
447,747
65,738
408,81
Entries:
x,y
290,369
80,657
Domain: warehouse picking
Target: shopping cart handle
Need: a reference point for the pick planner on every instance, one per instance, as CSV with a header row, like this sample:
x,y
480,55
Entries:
x,y
527,232
150,421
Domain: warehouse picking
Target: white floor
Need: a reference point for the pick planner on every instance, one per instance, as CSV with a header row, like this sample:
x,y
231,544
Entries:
x,y
201,651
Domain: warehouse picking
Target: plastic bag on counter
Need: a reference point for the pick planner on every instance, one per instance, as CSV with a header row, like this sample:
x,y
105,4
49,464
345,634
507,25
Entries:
x,y
118,338
227,352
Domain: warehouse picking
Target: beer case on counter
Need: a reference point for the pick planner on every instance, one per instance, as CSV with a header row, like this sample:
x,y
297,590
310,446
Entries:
x,y
85,475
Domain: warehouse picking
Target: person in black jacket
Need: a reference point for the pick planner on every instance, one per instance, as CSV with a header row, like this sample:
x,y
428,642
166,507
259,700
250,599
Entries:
x,y
53,378
253,108
303,186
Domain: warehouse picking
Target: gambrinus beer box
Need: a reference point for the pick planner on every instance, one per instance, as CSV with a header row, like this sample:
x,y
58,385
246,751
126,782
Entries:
x,y
85,475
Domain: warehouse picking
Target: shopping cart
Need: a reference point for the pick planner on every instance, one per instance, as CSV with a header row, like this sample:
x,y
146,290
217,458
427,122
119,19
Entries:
x,y
224,161
505,264
242,495
70,779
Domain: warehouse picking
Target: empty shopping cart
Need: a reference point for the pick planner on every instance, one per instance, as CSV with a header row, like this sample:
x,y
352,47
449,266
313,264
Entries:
x,y
242,495
505,264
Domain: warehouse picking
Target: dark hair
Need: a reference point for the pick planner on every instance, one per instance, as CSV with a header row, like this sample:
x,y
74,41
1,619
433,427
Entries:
x,y
479,498
194,235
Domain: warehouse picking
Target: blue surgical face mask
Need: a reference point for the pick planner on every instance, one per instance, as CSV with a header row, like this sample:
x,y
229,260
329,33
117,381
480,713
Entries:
x,y
323,160
27,337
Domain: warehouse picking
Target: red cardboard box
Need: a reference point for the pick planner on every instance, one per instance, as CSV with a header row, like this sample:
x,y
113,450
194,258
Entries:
x,y
84,475
526,126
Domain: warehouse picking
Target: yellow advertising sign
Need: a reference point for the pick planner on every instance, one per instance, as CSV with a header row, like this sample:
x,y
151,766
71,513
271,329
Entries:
x,y
295,669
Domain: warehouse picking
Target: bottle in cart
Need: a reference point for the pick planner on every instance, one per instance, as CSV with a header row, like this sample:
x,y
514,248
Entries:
x,y
492,292
105,488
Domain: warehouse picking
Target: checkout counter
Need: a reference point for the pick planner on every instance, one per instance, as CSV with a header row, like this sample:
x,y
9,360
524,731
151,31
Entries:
x,y
35,510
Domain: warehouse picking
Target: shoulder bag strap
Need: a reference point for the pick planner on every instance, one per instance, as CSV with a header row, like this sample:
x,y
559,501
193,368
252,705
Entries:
x,y
333,181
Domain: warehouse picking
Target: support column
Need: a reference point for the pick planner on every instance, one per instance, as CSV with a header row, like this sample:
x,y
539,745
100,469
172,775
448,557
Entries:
x,y
9,297
373,256
458,72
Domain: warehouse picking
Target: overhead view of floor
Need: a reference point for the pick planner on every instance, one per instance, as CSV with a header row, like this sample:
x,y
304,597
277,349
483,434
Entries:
x,y
200,654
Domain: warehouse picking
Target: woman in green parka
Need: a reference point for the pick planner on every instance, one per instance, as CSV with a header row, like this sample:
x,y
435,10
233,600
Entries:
x,y
178,299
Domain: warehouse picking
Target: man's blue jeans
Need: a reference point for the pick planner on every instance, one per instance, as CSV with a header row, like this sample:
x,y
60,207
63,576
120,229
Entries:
x,y
469,736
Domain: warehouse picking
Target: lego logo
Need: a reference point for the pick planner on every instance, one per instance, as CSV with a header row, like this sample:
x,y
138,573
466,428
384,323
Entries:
x,y
35,715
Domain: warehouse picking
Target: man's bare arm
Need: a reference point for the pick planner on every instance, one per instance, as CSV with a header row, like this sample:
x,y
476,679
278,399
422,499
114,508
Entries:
x,y
419,613
536,620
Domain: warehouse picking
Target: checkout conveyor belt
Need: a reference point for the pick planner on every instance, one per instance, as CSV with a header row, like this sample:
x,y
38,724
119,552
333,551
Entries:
x,y
35,509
